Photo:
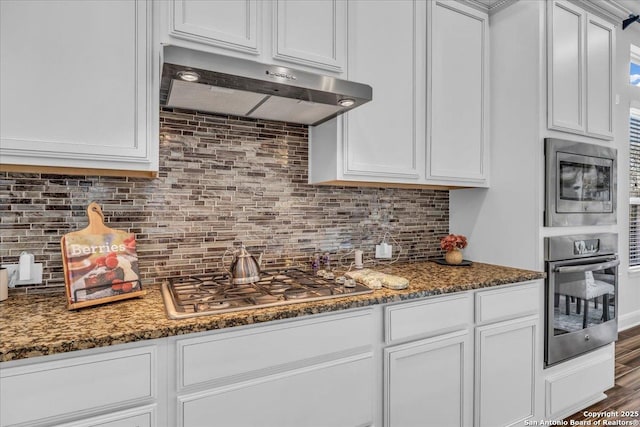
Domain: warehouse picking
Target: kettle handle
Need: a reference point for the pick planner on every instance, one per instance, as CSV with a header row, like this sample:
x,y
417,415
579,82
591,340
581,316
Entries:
x,y
233,257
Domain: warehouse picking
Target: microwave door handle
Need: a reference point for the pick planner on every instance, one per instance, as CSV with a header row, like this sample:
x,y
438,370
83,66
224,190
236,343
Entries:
x,y
587,267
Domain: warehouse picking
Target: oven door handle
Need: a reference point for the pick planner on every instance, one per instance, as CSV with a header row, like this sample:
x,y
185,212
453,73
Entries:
x,y
587,267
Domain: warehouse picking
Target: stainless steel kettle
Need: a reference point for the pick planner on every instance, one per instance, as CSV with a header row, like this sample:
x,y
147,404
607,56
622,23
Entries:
x,y
244,267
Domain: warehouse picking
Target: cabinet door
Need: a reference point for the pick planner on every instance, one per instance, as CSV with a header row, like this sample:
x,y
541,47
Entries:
x,y
228,24
311,33
427,382
384,139
581,51
600,48
334,393
76,81
77,386
505,372
565,61
458,88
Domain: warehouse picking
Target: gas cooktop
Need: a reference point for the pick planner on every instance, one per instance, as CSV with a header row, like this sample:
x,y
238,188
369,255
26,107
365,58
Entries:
x,y
214,294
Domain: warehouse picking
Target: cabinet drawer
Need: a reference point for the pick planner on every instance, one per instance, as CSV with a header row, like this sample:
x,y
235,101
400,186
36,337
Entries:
x,y
507,303
336,393
427,317
268,349
138,417
77,385
568,391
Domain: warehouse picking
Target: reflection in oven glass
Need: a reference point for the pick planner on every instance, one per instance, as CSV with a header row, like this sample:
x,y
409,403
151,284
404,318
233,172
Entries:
x,y
583,300
584,182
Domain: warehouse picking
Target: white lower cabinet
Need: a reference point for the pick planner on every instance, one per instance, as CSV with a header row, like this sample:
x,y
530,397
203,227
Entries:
x,y
428,367
318,371
335,393
447,376
505,372
463,359
508,356
51,392
579,383
427,382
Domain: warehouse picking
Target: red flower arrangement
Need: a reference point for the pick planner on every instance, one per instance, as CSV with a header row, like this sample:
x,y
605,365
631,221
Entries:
x,y
453,241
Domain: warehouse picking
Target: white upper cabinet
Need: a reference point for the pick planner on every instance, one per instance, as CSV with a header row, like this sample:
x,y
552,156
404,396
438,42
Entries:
x,y
226,24
76,93
566,73
580,76
310,34
427,123
599,69
384,139
457,94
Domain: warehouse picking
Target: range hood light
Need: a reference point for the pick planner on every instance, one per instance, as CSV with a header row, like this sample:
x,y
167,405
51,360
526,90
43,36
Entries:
x,y
188,76
347,102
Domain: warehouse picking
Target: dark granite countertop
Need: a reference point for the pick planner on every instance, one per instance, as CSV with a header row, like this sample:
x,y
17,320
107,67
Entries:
x,y
38,325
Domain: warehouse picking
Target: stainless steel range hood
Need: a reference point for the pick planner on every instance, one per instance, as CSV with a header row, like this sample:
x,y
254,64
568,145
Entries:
x,y
227,85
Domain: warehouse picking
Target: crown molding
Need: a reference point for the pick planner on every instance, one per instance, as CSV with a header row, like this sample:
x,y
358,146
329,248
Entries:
x,y
489,6
611,10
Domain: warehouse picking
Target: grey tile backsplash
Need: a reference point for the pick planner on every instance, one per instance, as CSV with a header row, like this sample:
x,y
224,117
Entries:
x,y
223,180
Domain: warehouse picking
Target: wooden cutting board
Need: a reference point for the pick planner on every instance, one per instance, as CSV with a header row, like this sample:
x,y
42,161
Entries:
x,y
100,263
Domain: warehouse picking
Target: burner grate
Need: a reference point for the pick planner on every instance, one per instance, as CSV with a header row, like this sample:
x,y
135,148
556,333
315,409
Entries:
x,y
213,294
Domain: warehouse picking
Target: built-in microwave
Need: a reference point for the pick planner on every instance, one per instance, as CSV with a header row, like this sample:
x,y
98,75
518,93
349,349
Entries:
x,y
580,183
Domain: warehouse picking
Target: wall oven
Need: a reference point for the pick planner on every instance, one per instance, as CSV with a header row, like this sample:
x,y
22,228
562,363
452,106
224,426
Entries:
x,y
581,292
580,183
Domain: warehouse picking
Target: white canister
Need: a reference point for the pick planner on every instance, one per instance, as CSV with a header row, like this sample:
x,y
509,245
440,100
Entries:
x,y
4,284
358,263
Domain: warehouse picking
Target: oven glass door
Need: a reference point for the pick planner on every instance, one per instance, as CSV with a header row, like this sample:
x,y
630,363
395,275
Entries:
x,y
581,306
585,183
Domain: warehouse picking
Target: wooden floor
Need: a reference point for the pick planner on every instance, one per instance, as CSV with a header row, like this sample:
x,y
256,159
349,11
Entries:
x,y
625,394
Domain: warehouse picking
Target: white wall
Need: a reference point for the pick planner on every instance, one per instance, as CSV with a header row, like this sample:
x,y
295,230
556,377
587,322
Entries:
x,y
629,299
504,223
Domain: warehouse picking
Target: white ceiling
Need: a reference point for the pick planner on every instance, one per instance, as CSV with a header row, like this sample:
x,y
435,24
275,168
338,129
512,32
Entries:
x,y
632,5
